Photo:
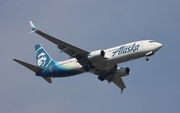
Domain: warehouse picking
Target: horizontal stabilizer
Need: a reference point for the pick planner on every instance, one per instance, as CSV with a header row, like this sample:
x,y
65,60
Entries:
x,y
48,79
33,68
29,66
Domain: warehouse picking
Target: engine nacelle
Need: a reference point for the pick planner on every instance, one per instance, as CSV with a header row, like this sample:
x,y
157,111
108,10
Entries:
x,y
123,71
96,55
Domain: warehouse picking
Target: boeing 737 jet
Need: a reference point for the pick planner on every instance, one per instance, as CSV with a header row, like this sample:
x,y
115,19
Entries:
x,y
102,63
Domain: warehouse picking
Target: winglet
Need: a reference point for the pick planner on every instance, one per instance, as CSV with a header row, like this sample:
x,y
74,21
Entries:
x,y
32,26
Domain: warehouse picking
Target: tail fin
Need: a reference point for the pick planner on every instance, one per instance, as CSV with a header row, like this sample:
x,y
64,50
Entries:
x,y
43,59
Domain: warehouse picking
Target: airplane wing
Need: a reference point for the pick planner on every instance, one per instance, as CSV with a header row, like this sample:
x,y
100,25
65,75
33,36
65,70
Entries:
x,y
119,82
69,49
110,78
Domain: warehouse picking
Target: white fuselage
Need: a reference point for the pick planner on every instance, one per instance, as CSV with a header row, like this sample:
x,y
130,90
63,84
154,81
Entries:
x,y
118,54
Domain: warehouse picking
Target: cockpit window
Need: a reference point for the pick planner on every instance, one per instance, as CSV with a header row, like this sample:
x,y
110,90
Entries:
x,y
151,41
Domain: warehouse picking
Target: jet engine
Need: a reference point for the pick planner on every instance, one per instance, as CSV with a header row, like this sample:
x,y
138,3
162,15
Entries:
x,y
123,71
96,55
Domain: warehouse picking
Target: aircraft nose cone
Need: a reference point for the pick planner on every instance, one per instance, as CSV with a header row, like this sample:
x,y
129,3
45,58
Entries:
x,y
158,46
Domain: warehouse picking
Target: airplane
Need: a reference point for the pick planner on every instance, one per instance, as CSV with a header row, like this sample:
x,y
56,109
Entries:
x,y
103,63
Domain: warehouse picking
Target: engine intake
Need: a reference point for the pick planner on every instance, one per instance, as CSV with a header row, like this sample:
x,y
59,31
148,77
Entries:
x,y
123,71
96,55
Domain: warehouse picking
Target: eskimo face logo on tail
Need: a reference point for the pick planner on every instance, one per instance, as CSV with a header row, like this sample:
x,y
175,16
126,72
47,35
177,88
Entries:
x,y
41,59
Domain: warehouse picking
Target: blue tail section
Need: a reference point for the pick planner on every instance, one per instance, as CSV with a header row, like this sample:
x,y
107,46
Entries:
x,y
43,59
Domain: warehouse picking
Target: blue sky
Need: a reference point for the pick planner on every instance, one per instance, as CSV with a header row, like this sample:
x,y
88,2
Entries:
x,y
152,86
